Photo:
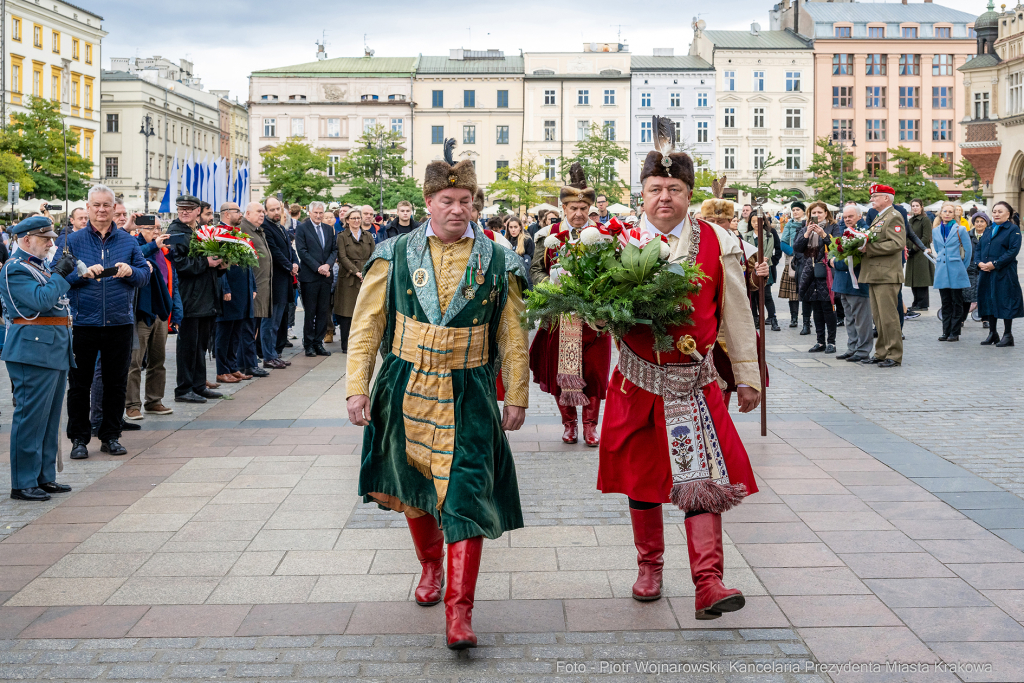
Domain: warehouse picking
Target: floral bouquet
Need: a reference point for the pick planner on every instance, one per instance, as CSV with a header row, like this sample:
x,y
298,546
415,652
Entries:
x,y
232,246
848,246
621,277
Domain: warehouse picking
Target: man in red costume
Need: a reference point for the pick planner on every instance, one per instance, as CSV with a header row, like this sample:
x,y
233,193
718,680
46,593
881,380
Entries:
x,y
570,361
668,436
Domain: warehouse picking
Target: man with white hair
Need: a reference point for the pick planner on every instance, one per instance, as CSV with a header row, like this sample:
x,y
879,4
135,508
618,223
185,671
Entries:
x,y
318,250
252,225
854,298
882,268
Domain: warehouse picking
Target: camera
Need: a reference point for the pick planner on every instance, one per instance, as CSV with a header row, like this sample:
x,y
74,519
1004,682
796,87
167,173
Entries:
x,y
145,220
54,207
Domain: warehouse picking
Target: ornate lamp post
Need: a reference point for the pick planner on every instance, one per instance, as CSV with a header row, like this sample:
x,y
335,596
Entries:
x,y
147,131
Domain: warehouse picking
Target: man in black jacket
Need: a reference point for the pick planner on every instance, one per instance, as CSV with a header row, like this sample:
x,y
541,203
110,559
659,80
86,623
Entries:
x,y
318,250
200,300
274,330
403,223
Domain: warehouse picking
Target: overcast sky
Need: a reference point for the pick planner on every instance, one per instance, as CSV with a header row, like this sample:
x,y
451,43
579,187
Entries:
x,y
229,39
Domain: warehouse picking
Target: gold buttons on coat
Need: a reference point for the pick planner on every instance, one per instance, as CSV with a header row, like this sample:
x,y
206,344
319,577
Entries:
x,y
474,321
485,302
409,292
414,317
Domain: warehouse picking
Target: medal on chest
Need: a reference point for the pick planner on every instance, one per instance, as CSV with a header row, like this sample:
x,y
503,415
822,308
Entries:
x,y
420,277
467,284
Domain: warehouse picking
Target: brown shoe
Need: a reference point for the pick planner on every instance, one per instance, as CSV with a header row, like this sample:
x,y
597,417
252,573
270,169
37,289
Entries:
x,y
133,414
240,375
160,409
212,385
228,379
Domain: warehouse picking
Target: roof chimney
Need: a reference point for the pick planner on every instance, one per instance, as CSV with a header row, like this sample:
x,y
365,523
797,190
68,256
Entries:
x,y
755,27
664,52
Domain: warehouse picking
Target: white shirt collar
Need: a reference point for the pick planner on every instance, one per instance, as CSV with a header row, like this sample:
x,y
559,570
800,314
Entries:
x,y
469,230
677,231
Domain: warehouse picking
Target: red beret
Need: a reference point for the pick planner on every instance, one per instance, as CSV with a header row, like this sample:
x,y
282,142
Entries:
x,y
882,189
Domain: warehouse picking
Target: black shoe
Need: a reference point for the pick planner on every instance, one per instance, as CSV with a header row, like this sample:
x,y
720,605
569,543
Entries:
x,y
872,361
207,393
944,337
35,494
311,352
953,338
321,351
806,329
775,324
840,323
114,447
817,348
856,358
288,345
129,426
888,363
54,487
910,315
792,322
95,431
79,450
1007,340
992,338
844,356
256,372
190,397
830,348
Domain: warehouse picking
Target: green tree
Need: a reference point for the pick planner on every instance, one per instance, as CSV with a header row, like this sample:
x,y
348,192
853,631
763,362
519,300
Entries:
x,y
909,180
37,138
379,158
597,155
764,184
298,171
523,185
702,178
968,178
12,170
825,165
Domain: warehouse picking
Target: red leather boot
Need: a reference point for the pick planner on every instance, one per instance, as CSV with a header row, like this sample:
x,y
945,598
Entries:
x,y
649,537
707,565
463,567
569,420
591,413
429,542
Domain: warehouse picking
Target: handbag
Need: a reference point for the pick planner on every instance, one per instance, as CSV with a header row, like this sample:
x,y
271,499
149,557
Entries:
x,y
820,270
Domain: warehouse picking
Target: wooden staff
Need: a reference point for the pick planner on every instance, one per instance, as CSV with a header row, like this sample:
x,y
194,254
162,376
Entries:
x,y
760,322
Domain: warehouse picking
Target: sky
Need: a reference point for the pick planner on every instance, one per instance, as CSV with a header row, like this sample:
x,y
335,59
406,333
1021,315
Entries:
x,y
229,39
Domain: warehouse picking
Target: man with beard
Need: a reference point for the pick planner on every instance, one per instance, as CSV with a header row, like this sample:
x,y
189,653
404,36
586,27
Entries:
x,y
274,329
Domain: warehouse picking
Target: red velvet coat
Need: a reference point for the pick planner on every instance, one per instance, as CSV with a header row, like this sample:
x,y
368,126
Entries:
x,y
634,455
597,360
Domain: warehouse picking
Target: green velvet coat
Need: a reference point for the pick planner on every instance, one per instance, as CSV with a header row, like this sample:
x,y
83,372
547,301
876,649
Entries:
x,y
483,493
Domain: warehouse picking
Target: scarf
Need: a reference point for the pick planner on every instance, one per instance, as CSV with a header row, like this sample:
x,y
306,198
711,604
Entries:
x,y
946,227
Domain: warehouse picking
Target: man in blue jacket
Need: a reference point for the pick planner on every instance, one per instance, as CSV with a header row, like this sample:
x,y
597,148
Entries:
x,y
855,301
102,304
38,355
238,291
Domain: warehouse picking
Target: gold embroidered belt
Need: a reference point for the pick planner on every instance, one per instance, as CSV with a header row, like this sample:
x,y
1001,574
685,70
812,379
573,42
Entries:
x,y
428,408
668,381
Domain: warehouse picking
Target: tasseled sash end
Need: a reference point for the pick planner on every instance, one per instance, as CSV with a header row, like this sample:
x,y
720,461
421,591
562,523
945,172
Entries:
x,y
572,390
707,495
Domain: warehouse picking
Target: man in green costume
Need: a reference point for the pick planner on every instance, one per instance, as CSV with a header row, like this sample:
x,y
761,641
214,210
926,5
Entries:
x,y
442,304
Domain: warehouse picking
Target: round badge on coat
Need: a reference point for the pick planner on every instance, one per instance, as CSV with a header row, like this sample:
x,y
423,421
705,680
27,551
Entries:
x,y
420,277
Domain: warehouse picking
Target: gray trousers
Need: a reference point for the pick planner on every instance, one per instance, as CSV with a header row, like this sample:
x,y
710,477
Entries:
x,y
859,339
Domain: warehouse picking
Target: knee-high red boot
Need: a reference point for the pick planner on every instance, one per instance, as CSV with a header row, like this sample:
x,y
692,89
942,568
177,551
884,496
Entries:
x,y
707,566
429,542
590,416
463,568
569,420
649,538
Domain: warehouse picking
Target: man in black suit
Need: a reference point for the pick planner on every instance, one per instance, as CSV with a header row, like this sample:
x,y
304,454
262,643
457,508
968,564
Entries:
x,y
274,330
318,250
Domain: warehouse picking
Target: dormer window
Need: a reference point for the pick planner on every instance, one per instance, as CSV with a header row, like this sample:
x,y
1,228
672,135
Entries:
x,y
942,31
296,98
843,31
269,98
396,98
369,98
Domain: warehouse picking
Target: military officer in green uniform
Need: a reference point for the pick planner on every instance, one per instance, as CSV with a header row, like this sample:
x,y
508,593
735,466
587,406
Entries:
x,y
882,268
442,304
38,354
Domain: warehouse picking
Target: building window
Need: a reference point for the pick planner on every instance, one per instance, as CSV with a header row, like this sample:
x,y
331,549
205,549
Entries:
x,y
942,97
296,98
549,169
730,79
501,170
367,98
37,83
549,97
110,167
759,156
729,158
874,162
334,128
503,99
16,29
582,129
702,131
842,64
469,135
758,81
942,129
268,98
679,130
469,99
609,97
437,135
942,32
909,32
645,131
368,125
942,65
729,120
56,43
842,31
981,105
88,53
582,97
702,100
1015,92
37,36
269,128
876,32
875,64
88,100
792,81
645,99
549,131
16,77
502,135
910,65
910,130
332,164
758,117
793,118
793,158
947,158
74,49
437,98
875,129
842,97
674,99
910,97
609,130
398,126
113,123
842,129
875,97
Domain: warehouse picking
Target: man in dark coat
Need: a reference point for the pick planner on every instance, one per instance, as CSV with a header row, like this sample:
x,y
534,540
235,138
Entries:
x,y
200,300
238,308
274,330
402,223
317,250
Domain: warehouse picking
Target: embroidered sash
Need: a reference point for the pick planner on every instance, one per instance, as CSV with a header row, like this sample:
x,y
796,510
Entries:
x,y
570,362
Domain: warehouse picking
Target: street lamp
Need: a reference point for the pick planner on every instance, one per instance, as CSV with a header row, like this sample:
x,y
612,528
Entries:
x,y
147,131
839,136
380,149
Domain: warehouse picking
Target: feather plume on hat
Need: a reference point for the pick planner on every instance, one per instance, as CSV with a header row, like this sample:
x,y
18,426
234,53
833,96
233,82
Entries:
x,y
663,161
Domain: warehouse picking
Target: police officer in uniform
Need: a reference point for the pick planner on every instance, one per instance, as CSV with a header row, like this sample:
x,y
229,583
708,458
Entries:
x,y
38,354
882,268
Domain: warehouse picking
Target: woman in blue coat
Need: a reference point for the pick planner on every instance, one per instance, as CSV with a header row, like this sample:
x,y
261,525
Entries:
x,y
952,247
999,293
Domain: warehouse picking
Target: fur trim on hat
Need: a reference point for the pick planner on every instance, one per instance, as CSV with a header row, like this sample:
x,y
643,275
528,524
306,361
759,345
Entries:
x,y
478,200
444,174
663,161
577,190
717,209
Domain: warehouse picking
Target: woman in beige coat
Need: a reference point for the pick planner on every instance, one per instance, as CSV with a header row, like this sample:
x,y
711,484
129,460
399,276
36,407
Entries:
x,y
355,246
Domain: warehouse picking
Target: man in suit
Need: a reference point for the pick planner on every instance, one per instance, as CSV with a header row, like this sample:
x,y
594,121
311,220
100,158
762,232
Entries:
x,y
274,330
317,250
882,268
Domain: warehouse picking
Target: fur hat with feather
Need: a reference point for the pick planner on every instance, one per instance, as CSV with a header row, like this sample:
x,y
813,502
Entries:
x,y
445,173
663,161
577,190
